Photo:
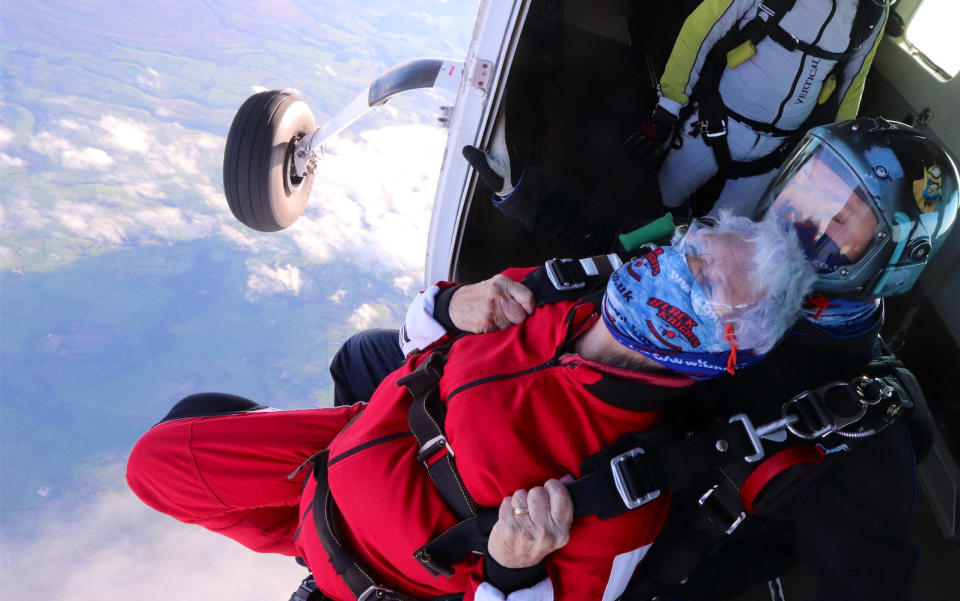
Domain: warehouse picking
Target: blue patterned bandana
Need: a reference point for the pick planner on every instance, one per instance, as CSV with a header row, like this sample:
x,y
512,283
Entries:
x,y
656,307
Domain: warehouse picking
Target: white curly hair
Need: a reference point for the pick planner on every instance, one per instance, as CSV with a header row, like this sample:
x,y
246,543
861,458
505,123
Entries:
x,y
778,272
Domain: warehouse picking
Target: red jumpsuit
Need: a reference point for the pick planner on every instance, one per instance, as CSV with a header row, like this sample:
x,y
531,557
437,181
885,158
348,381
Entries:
x,y
521,408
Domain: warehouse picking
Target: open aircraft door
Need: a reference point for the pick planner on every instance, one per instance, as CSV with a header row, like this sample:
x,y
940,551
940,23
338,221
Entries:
x,y
486,68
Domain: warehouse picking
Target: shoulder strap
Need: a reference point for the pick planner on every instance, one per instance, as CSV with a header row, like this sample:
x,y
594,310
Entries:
x,y
869,16
570,279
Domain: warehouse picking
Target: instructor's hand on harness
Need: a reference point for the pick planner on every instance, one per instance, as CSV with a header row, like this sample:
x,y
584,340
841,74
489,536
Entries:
x,y
491,305
652,137
532,524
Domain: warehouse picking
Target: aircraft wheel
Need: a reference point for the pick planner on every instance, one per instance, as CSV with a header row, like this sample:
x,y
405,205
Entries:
x,y
259,178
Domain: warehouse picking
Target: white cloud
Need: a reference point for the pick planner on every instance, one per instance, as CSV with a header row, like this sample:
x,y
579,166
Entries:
x,y
237,236
118,549
8,161
368,315
69,156
151,79
92,221
329,71
404,283
338,295
5,136
372,198
282,279
127,134
87,158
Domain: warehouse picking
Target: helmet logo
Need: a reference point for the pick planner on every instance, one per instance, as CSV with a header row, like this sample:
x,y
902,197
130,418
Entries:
x,y
927,191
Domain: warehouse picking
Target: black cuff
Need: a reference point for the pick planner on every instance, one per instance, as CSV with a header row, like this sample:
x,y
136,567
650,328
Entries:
x,y
664,116
527,199
441,308
508,580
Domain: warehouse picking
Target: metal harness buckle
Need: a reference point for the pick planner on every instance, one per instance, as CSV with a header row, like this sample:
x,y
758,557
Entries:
x,y
620,481
566,274
376,592
736,521
770,12
707,129
830,421
754,434
429,448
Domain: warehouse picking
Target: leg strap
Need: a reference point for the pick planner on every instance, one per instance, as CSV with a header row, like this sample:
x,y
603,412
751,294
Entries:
x,y
356,576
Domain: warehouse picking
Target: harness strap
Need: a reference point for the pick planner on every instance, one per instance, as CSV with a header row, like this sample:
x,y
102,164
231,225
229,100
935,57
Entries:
x,y
356,576
637,468
759,126
769,14
791,42
425,418
569,279
719,512
458,542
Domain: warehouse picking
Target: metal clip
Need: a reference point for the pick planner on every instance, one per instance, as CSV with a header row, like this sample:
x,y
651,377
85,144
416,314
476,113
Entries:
x,y
872,390
375,592
765,431
831,421
621,483
433,445
736,522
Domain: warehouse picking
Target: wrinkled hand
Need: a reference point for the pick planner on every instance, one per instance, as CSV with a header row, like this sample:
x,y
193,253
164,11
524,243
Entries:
x,y
521,541
652,135
491,305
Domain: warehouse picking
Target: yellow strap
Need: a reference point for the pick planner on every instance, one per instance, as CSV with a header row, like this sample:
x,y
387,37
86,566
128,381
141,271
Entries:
x,y
829,85
741,54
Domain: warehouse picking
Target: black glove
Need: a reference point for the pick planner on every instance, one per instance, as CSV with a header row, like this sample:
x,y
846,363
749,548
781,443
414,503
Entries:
x,y
652,135
499,173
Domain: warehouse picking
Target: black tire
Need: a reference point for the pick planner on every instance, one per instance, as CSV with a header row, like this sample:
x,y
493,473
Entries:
x,y
259,180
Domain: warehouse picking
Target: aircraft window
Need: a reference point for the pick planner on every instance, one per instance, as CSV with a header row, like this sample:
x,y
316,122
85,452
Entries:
x,y
933,31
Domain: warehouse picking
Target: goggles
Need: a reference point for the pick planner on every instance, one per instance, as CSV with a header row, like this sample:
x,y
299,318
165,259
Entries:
x,y
828,205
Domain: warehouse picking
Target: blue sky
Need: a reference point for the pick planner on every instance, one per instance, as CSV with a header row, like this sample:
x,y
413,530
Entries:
x,y
126,284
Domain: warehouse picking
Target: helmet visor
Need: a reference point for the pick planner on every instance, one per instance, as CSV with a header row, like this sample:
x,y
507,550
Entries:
x,y
827,204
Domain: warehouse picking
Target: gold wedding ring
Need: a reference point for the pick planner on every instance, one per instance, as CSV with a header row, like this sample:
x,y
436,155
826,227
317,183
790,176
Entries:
x,y
520,511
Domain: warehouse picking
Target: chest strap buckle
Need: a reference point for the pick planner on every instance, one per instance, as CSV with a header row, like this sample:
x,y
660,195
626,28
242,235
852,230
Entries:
x,y
622,479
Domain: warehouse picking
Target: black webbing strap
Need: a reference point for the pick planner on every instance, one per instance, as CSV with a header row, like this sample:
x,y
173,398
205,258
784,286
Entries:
x,y
357,577
720,511
635,469
457,543
570,279
759,126
768,17
790,42
425,418
732,169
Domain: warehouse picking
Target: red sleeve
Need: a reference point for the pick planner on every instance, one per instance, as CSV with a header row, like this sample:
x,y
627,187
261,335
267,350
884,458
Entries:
x,y
230,473
518,273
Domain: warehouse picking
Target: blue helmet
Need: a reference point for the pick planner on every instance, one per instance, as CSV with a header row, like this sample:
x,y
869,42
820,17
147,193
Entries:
x,y
871,200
